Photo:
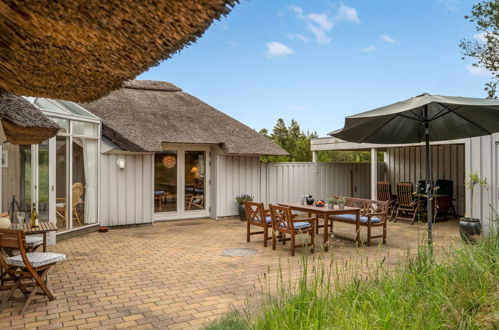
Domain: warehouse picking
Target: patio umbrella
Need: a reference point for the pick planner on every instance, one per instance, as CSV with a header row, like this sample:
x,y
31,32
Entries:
x,y
423,118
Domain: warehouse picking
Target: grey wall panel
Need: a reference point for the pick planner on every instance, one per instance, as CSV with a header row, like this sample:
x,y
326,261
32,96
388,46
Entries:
x,y
126,194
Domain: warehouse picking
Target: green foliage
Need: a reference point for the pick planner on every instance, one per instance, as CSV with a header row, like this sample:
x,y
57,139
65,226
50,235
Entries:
x,y
457,290
292,139
485,51
347,156
244,198
473,180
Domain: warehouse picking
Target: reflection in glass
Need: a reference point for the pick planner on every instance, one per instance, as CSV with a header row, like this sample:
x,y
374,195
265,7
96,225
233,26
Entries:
x,y
82,128
165,181
25,182
195,174
43,181
84,183
61,193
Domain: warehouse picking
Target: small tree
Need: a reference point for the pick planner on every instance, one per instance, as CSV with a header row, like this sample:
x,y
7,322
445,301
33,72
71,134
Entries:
x,y
485,48
472,181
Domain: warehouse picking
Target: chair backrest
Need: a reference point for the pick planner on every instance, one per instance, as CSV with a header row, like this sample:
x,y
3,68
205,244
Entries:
x,y
384,189
255,213
405,192
77,192
445,187
11,239
367,205
281,217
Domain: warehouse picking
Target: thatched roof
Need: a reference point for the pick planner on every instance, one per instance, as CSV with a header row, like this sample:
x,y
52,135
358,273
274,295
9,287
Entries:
x,y
80,50
22,122
144,114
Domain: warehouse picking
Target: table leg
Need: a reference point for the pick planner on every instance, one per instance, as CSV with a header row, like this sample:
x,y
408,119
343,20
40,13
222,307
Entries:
x,y
44,241
326,232
357,228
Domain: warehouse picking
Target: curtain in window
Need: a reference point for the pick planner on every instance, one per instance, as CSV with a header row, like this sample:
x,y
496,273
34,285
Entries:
x,y
90,167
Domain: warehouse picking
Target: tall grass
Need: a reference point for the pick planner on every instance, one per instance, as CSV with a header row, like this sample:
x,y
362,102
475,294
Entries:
x,y
457,290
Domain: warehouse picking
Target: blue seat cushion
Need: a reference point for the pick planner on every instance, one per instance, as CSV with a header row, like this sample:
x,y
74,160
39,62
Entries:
x,y
349,217
299,225
268,219
364,219
352,218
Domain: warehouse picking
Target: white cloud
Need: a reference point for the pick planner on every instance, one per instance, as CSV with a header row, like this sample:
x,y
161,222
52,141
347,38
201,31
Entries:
x,y
295,107
276,49
451,5
347,14
387,38
298,36
368,49
478,71
320,24
480,37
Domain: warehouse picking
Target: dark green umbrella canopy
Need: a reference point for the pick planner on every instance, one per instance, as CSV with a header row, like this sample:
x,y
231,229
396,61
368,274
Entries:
x,y
449,118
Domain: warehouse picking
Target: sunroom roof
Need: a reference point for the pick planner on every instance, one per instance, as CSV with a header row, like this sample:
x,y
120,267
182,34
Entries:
x,y
60,107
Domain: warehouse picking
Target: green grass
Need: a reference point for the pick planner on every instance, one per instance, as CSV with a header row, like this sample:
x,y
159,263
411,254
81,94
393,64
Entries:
x,y
458,290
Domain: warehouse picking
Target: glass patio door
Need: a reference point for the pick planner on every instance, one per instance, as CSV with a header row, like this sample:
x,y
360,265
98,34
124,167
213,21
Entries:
x,y
181,180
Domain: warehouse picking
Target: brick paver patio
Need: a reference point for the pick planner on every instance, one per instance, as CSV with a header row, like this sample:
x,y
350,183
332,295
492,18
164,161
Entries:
x,y
173,275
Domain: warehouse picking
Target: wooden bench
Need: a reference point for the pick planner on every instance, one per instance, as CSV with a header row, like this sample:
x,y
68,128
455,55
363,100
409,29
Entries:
x,y
372,214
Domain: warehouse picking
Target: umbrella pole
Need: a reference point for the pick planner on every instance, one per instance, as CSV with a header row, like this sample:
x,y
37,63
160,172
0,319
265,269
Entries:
x,y
429,188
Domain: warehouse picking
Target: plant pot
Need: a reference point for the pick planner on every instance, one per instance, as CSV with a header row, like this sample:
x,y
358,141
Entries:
x,y
242,212
341,205
469,228
330,206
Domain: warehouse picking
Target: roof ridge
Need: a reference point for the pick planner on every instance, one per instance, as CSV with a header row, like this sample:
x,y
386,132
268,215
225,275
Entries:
x,y
152,85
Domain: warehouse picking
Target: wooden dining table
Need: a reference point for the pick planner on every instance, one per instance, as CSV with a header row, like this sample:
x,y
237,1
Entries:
x,y
43,228
324,213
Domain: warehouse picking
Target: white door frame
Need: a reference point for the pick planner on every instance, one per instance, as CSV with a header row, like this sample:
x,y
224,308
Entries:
x,y
181,213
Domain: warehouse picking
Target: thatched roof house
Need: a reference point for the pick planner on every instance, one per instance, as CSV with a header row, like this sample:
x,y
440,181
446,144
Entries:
x,y
145,114
22,122
80,50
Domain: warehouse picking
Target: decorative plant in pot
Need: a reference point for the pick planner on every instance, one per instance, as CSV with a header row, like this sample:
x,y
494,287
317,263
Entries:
x,y
240,199
339,200
469,227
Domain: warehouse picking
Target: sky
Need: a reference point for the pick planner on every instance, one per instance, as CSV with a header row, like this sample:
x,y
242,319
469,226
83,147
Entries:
x,y
318,61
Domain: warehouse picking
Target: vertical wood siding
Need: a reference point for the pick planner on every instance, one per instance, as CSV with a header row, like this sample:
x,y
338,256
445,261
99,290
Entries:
x,y
281,182
482,157
126,194
407,164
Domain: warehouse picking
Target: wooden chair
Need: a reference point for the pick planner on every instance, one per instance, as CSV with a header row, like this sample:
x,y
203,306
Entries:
x,y
285,223
256,215
384,193
406,204
60,203
196,201
27,271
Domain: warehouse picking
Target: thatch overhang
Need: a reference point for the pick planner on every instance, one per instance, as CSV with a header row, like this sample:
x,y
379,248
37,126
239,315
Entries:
x,y
80,50
144,115
22,122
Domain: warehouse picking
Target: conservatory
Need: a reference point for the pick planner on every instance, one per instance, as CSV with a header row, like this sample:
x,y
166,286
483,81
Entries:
x,y
59,175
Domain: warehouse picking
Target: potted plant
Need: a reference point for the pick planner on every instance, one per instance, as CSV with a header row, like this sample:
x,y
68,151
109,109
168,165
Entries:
x,y
469,227
341,202
331,201
240,199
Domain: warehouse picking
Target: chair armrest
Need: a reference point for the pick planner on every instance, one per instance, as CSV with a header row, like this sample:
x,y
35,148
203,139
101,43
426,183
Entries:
x,y
302,219
266,212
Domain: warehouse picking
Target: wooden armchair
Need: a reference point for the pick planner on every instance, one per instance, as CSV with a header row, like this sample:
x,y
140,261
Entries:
x,y
256,215
407,207
196,201
285,223
27,271
384,193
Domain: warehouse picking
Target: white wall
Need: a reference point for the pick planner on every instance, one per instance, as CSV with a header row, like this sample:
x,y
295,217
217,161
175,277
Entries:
x,y
482,156
281,182
126,195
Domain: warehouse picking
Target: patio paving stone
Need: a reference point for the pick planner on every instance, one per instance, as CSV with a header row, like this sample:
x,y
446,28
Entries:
x,y
171,275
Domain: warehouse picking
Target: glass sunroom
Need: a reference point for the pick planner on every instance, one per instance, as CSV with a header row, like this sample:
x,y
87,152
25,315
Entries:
x,y
61,174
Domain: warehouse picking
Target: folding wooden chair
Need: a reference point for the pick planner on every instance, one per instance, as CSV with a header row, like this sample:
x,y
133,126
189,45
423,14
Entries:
x,y
284,222
406,205
27,271
256,215
384,192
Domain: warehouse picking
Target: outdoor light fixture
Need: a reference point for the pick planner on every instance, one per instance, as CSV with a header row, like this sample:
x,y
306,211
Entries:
x,y
169,161
121,163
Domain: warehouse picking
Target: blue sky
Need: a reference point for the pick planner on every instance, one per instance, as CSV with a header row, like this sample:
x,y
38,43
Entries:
x,y
319,61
